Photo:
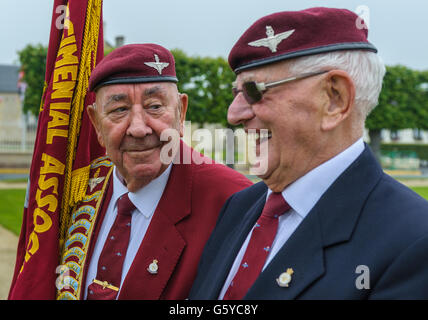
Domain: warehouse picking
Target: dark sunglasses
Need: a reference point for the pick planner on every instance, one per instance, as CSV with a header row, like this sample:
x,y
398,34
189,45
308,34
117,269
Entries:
x,y
253,91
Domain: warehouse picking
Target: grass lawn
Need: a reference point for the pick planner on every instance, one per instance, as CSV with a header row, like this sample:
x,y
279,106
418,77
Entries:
x,y
11,209
12,204
422,191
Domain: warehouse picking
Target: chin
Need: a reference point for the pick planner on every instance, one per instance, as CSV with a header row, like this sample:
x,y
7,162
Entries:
x,y
271,174
139,175
144,171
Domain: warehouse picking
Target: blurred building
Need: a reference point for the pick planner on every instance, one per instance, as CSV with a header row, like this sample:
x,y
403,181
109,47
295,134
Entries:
x,y
11,125
108,46
17,130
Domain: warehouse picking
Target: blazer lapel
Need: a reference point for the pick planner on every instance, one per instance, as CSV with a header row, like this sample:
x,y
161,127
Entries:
x,y
330,222
162,241
219,269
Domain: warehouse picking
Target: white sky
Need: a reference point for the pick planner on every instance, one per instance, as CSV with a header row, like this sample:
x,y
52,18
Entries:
x,y
398,28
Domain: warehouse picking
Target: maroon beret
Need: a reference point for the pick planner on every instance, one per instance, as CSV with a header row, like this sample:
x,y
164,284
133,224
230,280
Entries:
x,y
134,63
291,34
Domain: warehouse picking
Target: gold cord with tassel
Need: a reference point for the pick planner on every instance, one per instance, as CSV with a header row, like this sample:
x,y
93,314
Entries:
x,y
76,181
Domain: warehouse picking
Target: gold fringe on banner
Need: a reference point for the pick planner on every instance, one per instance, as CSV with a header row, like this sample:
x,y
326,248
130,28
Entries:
x,y
76,181
79,184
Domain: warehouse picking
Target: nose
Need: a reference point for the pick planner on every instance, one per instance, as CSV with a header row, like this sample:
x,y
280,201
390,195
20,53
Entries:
x,y
239,111
138,123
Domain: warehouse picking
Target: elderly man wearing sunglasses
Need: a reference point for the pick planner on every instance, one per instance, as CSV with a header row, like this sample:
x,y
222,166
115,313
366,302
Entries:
x,y
325,222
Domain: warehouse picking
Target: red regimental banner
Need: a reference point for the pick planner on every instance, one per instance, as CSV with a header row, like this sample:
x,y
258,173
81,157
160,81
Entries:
x,y
65,145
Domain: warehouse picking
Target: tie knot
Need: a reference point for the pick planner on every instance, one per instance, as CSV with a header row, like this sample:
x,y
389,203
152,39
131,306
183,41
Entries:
x,y
124,205
275,205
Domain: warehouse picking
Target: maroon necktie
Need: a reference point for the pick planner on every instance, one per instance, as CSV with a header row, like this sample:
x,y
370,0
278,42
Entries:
x,y
258,248
109,272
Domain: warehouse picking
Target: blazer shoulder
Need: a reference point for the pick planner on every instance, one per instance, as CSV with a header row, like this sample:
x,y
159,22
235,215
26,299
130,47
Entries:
x,y
219,176
397,195
398,205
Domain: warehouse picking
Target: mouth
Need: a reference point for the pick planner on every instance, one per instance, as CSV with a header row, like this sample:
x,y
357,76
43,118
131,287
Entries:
x,y
140,150
258,152
259,135
139,153
133,151
134,146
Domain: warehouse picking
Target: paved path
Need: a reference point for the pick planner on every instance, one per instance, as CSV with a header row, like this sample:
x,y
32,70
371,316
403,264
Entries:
x,y
8,245
13,185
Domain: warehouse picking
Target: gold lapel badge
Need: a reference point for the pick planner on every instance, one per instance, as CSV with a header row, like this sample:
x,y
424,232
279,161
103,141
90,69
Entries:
x,y
284,278
153,267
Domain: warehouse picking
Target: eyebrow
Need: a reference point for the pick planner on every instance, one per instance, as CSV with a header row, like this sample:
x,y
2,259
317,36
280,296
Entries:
x,y
246,78
115,98
123,97
154,90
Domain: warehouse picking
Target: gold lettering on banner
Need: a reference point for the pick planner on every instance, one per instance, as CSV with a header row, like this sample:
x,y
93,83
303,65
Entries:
x,y
64,83
51,169
51,165
68,48
45,225
46,184
46,203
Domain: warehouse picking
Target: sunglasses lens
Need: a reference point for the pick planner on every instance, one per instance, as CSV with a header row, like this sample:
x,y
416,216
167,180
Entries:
x,y
251,93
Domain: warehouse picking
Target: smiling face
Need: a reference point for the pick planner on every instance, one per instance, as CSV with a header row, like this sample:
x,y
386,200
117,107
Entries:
x,y
303,118
129,120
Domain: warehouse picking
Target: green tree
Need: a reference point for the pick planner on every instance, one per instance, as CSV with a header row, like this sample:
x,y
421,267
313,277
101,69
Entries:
x,y
400,104
420,106
208,83
33,62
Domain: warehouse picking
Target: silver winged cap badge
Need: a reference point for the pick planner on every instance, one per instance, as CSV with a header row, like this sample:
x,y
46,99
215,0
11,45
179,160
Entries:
x,y
272,39
159,66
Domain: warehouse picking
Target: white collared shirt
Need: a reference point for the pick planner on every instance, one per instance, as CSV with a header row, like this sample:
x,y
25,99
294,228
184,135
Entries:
x,y
145,200
301,195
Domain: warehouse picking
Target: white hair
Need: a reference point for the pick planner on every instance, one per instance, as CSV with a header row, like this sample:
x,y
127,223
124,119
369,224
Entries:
x,y
365,68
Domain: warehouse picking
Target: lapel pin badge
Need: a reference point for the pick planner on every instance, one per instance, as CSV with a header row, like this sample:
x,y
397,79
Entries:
x,y
284,278
153,267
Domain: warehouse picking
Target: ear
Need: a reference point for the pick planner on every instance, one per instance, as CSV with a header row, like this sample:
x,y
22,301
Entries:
x,y
184,99
92,114
341,96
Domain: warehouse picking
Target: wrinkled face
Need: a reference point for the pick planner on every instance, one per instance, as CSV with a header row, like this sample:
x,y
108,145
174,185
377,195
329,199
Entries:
x,y
129,120
292,114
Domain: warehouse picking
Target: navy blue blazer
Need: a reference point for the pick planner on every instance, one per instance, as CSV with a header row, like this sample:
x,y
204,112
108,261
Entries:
x,y
365,218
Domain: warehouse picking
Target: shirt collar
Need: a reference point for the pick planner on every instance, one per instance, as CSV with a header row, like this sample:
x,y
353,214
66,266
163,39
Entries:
x,y
145,199
303,194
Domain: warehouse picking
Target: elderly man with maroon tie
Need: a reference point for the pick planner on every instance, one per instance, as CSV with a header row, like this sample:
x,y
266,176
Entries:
x,y
326,222
149,208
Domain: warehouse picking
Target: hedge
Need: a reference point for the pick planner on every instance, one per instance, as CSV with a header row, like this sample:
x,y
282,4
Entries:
x,y
421,150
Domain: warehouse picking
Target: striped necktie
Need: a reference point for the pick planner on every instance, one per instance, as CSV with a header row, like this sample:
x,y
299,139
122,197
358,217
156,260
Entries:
x,y
258,248
109,272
